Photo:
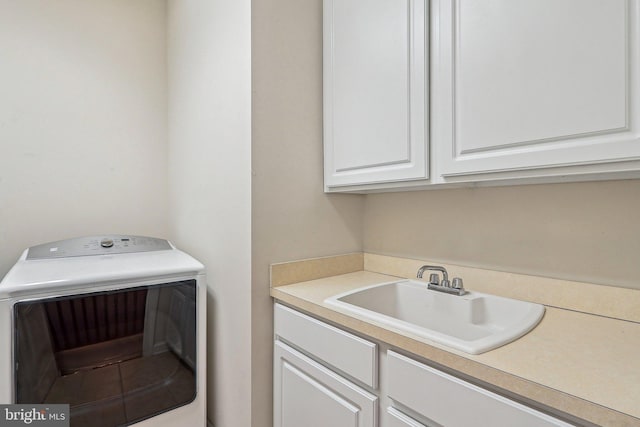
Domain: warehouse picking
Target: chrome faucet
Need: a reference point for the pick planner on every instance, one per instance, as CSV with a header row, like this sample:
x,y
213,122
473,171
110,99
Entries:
x,y
456,287
434,276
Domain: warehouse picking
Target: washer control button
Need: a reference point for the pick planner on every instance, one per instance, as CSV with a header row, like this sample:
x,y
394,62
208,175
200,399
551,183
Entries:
x,y
106,243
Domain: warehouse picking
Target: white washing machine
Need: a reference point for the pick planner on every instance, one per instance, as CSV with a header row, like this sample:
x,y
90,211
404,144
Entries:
x,y
114,326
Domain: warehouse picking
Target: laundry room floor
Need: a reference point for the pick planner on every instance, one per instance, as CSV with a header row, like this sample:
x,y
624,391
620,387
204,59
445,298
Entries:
x,y
125,392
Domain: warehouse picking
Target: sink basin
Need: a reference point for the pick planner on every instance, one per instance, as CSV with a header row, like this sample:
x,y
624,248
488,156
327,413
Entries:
x,y
473,323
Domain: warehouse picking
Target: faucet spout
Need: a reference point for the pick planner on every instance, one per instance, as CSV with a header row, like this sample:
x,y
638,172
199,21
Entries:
x,y
445,276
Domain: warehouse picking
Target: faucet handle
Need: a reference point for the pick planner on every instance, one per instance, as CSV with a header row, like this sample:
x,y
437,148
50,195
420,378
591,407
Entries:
x,y
457,283
434,278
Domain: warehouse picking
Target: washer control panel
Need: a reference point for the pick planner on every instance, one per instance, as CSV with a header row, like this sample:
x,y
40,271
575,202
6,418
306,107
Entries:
x,y
97,245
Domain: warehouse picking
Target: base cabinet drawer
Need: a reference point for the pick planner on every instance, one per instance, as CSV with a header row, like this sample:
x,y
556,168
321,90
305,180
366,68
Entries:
x,y
346,352
396,418
307,394
452,402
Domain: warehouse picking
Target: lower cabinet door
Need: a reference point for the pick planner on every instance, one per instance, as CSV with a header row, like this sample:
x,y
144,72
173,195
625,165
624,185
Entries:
x,y
307,394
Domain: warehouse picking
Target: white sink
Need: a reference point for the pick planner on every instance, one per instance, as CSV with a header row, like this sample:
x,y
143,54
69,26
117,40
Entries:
x,y
473,323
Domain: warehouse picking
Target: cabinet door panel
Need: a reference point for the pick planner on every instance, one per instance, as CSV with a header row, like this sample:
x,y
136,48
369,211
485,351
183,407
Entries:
x,y
374,91
309,403
308,394
536,83
370,74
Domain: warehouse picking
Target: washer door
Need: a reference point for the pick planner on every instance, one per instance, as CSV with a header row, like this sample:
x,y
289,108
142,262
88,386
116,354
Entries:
x,y
120,356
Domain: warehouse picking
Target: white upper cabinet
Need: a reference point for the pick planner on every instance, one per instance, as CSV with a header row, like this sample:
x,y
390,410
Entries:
x,y
375,92
529,85
519,91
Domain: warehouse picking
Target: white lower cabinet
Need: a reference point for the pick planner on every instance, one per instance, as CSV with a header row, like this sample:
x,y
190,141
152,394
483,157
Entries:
x,y
321,392
310,395
328,377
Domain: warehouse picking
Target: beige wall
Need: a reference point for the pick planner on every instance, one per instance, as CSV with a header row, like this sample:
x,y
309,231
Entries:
x,y
210,182
292,217
581,231
82,121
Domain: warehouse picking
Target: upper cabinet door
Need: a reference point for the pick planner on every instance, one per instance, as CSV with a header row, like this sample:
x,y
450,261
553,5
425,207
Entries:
x,y
375,91
531,84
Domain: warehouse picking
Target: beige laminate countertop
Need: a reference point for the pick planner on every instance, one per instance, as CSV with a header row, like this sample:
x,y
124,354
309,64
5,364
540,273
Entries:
x,y
583,365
